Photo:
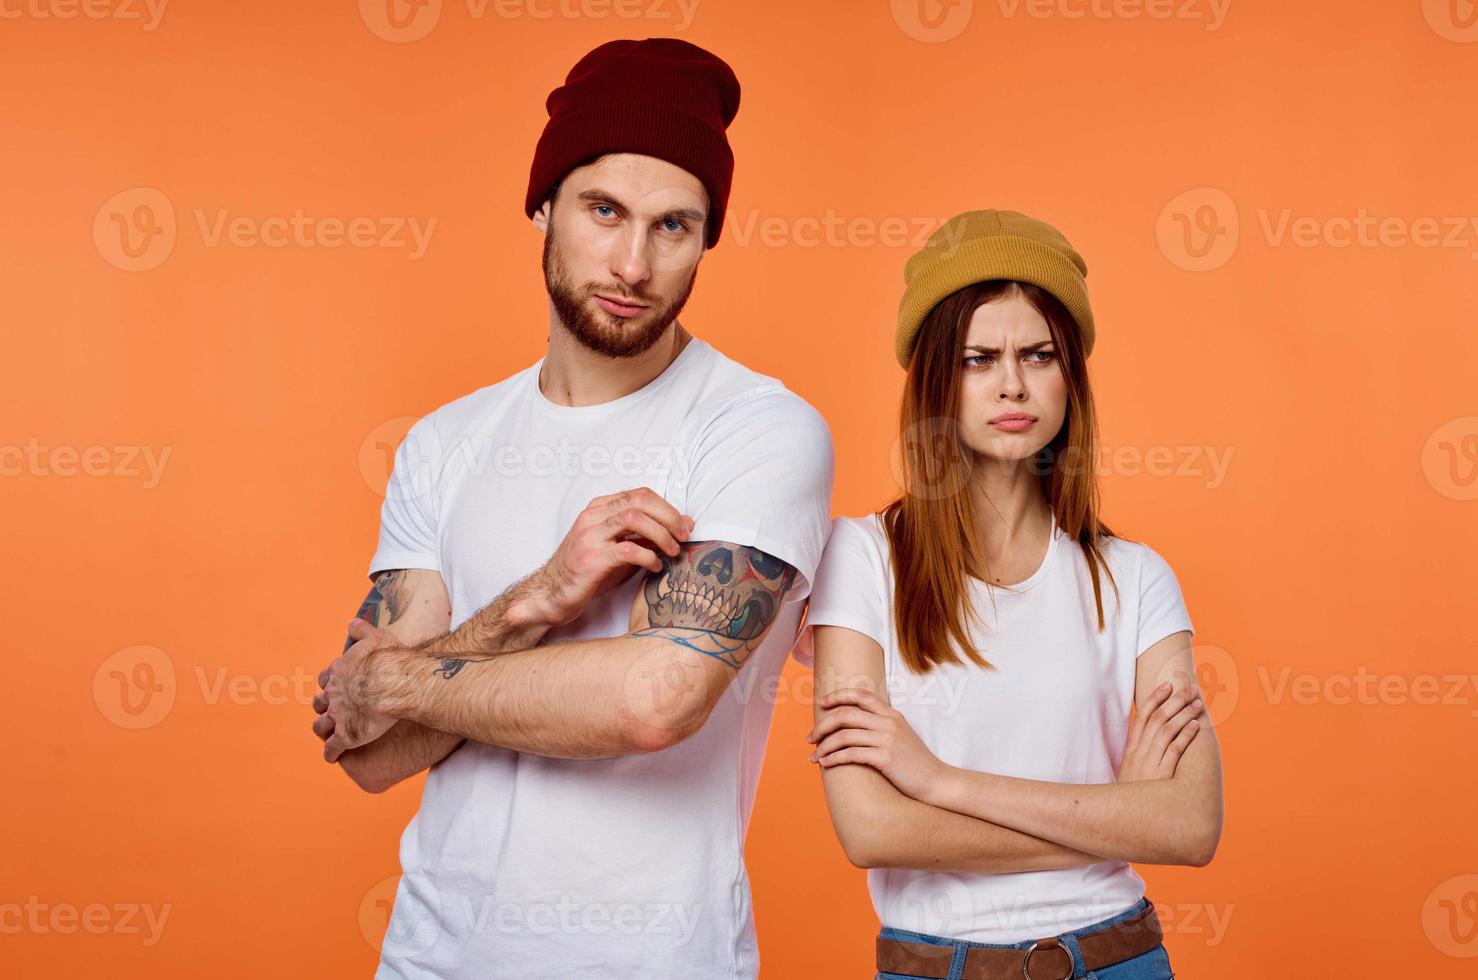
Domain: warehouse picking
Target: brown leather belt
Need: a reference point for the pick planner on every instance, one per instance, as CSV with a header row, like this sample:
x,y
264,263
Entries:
x,y
1047,959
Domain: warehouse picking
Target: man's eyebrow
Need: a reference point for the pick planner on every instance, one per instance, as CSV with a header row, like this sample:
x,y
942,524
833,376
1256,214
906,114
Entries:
x,y
596,195
1028,348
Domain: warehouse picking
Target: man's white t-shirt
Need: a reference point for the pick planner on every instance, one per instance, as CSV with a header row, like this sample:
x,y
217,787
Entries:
x,y
524,866
1056,708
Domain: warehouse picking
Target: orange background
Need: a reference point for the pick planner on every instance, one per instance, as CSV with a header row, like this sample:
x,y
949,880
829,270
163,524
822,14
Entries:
x,y
1337,545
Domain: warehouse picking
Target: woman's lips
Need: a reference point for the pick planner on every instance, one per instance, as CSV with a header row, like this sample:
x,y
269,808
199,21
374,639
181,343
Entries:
x,y
619,309
1015,425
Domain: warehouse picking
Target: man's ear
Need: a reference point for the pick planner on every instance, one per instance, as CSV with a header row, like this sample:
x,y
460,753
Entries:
x,y
541,216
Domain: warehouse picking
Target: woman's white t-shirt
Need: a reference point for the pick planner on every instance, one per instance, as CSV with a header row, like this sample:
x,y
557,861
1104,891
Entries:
x,y
1055,708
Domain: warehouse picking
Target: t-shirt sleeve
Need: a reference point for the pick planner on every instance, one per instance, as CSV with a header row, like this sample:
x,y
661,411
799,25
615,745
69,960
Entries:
x,y
762,477
408,515
1161,607
849,589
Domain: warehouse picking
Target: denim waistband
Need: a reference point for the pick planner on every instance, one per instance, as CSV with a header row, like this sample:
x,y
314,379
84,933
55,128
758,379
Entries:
x,y
1069,939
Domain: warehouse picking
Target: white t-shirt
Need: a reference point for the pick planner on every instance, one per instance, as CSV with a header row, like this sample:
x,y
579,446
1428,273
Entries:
x,y
524,866
1056,708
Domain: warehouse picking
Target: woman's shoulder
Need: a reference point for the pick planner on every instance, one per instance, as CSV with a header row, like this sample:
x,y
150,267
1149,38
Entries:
x,y
1133,556
866,532
857,539
869,525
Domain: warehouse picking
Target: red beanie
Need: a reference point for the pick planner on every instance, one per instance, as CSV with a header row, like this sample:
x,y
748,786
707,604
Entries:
x,y
660,97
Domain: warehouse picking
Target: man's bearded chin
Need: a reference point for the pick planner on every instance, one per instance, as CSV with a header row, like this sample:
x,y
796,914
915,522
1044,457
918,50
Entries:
x,y
593,327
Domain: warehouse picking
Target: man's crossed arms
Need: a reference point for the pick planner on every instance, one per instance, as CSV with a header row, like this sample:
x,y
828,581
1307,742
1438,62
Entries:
x,y
406,692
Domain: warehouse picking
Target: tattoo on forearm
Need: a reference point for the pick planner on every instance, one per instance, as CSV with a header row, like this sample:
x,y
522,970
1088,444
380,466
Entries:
x,y
485,636
716,597
386,601
450,665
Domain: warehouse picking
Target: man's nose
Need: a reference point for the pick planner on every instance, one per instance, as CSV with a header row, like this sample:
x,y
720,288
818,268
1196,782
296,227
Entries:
x,y
629,261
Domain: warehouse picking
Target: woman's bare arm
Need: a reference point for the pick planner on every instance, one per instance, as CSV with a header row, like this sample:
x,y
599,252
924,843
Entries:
x,y
1176,820
880,827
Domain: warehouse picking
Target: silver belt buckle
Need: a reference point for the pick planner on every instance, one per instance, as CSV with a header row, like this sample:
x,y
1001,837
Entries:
x,y
1026,961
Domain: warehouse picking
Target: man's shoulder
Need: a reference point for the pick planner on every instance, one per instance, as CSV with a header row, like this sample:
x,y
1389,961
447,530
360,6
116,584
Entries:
x,y
733,391
466,411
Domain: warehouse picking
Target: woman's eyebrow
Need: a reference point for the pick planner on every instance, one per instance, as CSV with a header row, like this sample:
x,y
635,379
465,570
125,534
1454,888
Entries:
x,y
1028,348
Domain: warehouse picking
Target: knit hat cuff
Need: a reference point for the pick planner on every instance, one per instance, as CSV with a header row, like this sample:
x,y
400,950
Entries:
x,y
949,268
649,128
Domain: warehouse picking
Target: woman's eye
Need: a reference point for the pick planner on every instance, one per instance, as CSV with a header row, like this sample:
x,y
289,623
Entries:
x,y
1044,355
977,360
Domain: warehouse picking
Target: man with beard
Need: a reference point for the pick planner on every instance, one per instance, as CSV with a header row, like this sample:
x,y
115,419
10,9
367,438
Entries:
x,y
589,574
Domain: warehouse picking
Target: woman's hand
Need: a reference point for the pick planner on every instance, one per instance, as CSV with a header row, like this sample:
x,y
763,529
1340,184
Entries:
x,y
1164,724
859,727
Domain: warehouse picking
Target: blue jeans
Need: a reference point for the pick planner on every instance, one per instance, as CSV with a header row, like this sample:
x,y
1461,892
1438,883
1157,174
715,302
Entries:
x,y
1154,965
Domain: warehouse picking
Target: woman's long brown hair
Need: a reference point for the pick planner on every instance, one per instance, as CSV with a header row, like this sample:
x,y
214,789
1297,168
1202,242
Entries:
x,y
932,528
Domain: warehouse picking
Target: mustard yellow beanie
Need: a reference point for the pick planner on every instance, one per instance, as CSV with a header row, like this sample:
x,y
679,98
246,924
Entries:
x,y
980,245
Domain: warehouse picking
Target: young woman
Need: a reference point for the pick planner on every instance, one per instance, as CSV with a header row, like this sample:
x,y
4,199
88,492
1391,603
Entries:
x,y
979,645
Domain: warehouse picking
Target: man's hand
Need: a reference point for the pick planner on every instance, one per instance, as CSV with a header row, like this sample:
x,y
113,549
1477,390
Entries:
x,y
610,537
347,716
1163,727
692,626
